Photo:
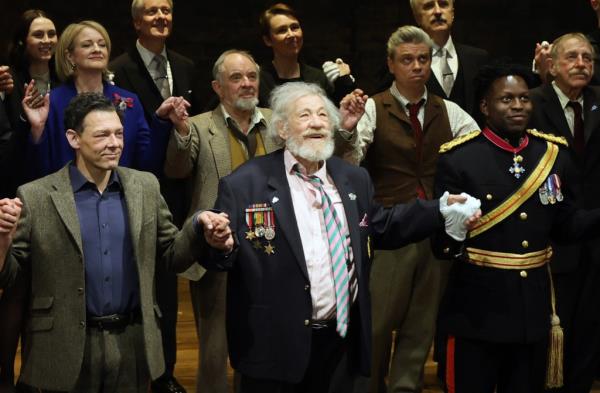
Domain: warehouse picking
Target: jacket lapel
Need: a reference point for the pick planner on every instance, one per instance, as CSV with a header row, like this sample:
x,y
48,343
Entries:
x,y
134,198
345,188
284,211
219,143
142,82
181,83
591,110
64,202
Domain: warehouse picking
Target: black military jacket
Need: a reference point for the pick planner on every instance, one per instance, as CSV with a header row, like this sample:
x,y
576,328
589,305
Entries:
x,y
493,304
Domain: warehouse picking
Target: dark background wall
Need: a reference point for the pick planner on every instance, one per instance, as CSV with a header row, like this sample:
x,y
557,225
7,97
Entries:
x,y
354,30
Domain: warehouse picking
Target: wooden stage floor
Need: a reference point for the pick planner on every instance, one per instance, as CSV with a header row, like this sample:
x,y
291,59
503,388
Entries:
x,y
187,352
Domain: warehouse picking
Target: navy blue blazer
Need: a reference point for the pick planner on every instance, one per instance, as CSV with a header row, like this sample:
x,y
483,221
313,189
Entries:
x,y
268,295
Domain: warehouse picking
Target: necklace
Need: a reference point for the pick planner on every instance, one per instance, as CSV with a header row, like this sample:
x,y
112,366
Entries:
x,y
516,168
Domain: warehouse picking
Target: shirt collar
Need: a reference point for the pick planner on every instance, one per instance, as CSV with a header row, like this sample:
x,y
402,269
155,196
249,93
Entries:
x,y
403,100
448,47
562,98
78,181
257,117
290,162
146,55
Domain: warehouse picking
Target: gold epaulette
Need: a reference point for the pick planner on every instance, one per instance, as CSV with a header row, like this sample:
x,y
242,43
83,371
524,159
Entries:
x,y
560,140
458,141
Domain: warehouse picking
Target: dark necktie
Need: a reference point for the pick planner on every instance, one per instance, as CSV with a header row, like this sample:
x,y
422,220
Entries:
x,y
248,140
579,143
413,112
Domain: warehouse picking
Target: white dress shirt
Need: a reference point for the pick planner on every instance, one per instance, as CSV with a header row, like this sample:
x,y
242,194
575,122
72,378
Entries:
x,y
460,122
569,113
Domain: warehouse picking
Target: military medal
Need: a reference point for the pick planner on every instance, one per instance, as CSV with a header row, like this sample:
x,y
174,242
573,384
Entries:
x,y
551,190
543,191
270,227
556,180
516,169
269,249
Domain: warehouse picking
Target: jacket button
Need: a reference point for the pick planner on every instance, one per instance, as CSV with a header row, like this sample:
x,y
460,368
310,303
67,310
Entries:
x,y
306,287
525,243
523,274
489,197
306,322
82,324
80,291
446,250
523,216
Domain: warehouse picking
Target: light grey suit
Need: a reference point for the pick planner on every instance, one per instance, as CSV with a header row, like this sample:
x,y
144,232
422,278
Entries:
x,y
204,159
48,243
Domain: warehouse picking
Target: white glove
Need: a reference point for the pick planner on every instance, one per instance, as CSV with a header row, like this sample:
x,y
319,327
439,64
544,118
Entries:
x,y
457,213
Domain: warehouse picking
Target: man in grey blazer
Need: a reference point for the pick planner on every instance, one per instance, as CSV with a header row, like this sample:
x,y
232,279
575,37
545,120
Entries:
x,y
215,144
90,236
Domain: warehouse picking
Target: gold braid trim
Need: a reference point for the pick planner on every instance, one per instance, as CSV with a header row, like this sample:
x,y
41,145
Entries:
x,y
458,141
561,140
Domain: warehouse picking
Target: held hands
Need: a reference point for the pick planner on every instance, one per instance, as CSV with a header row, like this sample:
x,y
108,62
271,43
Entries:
x,y
216,230
6,80
352,107
541,59
461,213
36,108
175,109
10,211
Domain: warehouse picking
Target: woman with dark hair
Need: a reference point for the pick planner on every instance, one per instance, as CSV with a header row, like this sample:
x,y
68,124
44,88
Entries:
x,y
281,31
31,53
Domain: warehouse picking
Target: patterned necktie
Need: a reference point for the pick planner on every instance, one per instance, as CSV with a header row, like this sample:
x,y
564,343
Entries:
x,y
447,74
160,76
341,256
579,142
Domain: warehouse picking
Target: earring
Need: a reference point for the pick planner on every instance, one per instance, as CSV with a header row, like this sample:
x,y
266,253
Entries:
x,y
73,66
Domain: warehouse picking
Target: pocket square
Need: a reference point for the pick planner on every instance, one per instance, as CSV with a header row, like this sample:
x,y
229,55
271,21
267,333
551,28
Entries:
x,y
364,223
352,196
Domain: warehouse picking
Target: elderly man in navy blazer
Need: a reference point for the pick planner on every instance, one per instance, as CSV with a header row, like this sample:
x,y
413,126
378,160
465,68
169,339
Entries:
x,y
305,226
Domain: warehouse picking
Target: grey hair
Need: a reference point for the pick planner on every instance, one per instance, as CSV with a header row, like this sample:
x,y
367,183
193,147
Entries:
x,y
415,3
407,34
560,41
282,99
218,66
137,8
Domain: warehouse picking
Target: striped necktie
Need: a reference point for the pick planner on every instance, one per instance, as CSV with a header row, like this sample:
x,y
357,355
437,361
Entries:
x,y
338,238
160,76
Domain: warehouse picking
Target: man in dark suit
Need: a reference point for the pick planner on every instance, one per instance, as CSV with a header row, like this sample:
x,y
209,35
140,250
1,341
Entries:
x,y
454,65
306,226
569,107
155,73
90,237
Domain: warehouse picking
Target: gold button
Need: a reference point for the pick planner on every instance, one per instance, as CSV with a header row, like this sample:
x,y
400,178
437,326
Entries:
x,y
525,243
488,197
523,274
523,216
306,322
446,250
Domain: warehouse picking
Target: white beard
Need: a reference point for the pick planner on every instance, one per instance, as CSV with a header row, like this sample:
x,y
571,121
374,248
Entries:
x,y
311,150
246,104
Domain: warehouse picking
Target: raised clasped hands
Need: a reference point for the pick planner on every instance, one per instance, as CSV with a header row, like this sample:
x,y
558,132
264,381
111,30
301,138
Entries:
x,y
216,230
10,212
7,83
352,107
461,213
175,109
36,108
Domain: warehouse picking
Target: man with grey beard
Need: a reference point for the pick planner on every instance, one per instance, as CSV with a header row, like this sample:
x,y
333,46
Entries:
x,y
305,226
214,145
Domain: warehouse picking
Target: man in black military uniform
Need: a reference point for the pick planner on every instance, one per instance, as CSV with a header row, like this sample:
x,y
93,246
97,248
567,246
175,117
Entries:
x,y
499,305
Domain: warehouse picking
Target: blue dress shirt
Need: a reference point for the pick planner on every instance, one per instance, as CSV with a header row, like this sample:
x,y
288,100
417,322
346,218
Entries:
x,y
111,278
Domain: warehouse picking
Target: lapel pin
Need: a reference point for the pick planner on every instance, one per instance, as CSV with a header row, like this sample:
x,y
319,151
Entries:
x,y
352,196
275,200
594,107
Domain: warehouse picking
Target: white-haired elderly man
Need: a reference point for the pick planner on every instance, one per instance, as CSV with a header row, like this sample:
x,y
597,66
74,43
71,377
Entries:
x,y
399,137
305,227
